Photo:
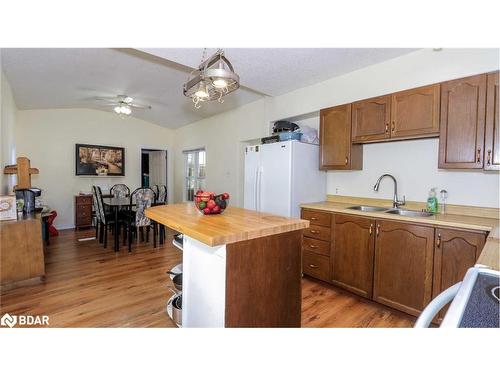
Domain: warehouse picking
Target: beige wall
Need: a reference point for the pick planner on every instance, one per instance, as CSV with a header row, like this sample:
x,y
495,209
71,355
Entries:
x,y
417,171
221,135
8,113
48,138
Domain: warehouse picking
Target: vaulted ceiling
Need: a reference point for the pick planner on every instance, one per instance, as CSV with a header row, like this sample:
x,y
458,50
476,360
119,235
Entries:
x,y
72,78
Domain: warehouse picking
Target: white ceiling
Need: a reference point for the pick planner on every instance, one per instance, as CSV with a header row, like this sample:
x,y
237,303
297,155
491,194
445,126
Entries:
x,y
69,78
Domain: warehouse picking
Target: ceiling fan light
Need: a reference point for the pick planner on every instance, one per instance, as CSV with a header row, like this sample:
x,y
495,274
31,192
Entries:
x,y
126,110
118,109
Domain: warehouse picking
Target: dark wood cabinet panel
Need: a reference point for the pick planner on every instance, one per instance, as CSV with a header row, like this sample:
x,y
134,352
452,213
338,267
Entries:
x,y
403,265
352,254
415,112
316,246
492,133
318,232
455,252
315,265
336,149
371,119
463,107
317,217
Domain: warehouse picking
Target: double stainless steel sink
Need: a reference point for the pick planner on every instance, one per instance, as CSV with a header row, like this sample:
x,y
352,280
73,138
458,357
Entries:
x,y
393,211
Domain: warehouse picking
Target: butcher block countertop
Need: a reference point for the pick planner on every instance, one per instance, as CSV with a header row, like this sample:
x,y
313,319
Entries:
x,y
234,225
491,252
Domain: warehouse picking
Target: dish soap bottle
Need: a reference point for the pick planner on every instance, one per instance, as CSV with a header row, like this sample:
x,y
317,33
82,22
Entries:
x,y
432,201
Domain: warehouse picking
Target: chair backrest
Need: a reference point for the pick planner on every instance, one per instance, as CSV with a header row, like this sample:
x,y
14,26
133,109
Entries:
x,y
120,191
161,197
97,197
144,198
156,190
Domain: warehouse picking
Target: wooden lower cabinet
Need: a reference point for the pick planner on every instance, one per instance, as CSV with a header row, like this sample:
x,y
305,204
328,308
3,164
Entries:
x,y
316,244
352,254
403,265
400,265
454,253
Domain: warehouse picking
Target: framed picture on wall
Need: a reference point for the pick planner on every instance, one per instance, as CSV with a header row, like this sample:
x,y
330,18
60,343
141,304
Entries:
x,y
94,160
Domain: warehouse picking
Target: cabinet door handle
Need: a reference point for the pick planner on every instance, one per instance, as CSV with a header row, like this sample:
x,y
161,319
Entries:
x,y
438,242
489,158
393,126
313,246
313,218
378,230
313,266
387,128
479,155
346,160
314,231
371,229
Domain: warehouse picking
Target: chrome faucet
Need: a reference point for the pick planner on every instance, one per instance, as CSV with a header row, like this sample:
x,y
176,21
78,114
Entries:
x,y
395,202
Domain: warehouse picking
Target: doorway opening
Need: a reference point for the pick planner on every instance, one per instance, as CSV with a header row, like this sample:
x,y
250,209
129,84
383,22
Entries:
x,y
153,167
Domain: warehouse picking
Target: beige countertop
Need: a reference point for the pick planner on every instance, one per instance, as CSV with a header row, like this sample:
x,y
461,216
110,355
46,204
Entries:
x,y
489,256
233,225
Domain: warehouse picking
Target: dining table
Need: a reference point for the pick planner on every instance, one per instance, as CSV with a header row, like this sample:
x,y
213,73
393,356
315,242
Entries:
x,y
115,204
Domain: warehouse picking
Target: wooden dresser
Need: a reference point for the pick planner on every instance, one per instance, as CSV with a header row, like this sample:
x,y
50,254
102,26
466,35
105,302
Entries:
x,y
83,211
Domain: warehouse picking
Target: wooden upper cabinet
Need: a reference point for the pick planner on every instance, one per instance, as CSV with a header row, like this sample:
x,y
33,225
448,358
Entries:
x,y
415,113
371,119
336,149
463,108
492,135
455,252
352,254
403,265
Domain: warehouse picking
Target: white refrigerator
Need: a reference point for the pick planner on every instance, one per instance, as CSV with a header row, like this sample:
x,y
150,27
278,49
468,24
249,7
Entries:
x,y
280,176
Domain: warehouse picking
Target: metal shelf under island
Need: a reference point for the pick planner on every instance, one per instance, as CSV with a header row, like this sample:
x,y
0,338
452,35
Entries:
x,y
241,268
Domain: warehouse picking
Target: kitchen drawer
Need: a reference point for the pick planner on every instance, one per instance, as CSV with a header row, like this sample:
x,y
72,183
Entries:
x,y
316,265
317,218
84,200
316,246
320,233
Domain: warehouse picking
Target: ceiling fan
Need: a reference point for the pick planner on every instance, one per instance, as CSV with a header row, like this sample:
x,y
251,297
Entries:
x,y
122,104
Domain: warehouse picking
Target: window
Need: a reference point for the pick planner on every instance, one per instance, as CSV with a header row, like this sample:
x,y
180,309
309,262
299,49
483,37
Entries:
x,y
195,164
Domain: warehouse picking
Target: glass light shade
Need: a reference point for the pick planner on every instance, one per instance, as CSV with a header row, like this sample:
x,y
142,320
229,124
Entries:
x,y
219,83
118,109
201,93
126,110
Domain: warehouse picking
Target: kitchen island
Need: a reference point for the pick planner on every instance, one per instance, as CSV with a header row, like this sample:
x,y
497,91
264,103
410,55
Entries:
x,y
240,269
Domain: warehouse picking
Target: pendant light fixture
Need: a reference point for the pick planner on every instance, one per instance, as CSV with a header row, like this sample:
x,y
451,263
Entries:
x,y
214,79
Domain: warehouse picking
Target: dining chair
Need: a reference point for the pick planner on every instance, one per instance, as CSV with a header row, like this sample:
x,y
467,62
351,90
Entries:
x,y
107,220
120,191
144,198
161,199
156,189
95,211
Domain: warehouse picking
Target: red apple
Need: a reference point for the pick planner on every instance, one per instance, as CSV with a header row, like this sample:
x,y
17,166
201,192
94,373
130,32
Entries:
x,y
206,211
197,199
225,196
211,204
199,192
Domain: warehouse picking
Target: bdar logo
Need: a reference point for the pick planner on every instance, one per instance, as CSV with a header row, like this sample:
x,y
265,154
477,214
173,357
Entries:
x,y
8,320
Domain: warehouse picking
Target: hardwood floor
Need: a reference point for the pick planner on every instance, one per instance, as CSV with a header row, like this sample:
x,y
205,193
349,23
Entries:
x,y
89,286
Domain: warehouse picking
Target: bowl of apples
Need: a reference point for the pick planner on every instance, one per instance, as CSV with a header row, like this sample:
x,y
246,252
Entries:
x,y
209,203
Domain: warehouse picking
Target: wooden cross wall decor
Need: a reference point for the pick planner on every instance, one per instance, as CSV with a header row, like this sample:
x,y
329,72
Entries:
x,y
23,171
